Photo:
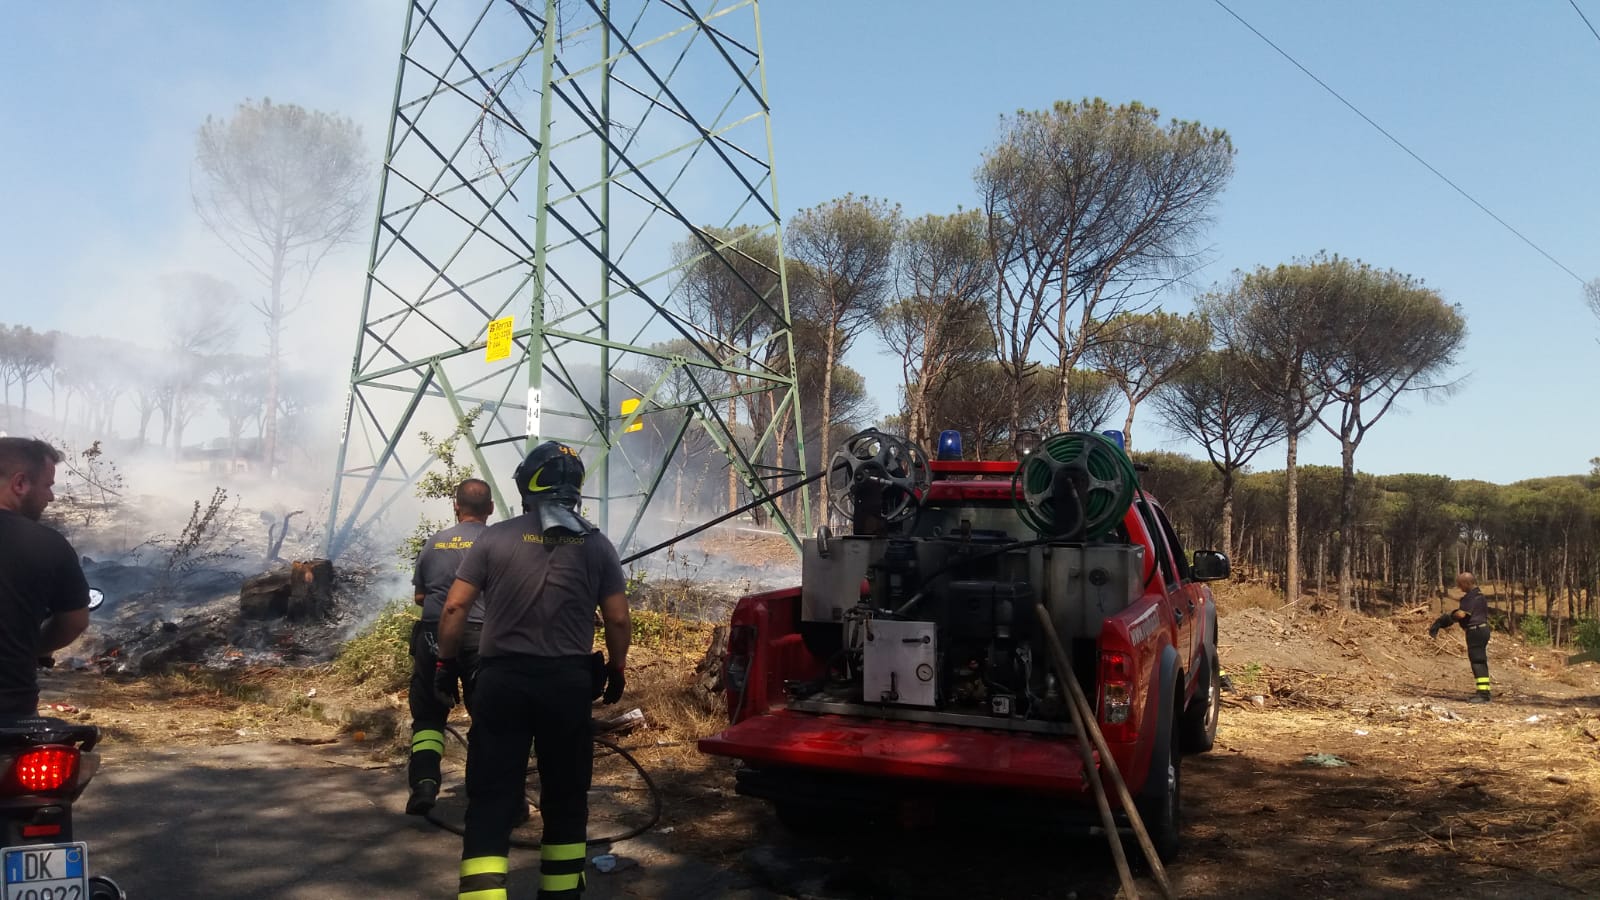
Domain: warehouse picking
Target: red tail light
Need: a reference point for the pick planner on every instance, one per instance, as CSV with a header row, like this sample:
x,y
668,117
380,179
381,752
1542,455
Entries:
x,y
1116,696
45,769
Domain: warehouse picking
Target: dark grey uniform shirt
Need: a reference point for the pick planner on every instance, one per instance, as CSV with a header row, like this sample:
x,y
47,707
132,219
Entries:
x,y
1476,606
436,569
540,590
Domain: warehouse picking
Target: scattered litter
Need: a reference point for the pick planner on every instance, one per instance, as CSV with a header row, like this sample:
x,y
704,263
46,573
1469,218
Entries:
x,y
610,862
1560,779
61,707
1259,700
1446,715
667,830
1325,760
311,693
1531,720
1361,733
628,721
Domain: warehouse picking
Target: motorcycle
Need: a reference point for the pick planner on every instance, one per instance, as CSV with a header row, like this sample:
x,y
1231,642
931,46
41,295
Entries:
x,y
45,764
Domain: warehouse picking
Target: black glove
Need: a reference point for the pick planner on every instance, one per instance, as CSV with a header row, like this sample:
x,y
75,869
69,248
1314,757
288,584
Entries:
x,y
615,682
447,682
597,674
1433,630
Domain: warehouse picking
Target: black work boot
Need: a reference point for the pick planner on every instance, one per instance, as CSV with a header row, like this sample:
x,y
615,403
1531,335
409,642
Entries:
x,y
1482,697
423,795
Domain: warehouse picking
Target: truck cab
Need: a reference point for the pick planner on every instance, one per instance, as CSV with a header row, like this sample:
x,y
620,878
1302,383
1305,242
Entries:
x,y
910,663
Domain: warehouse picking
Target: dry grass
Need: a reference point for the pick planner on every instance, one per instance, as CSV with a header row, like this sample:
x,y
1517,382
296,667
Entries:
x,y
1232,596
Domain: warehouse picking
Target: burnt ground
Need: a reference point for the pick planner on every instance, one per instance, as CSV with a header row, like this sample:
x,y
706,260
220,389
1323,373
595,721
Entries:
x,y
1436,797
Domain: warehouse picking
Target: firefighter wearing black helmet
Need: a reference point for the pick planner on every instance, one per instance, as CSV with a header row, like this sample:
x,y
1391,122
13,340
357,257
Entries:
x,y
541,575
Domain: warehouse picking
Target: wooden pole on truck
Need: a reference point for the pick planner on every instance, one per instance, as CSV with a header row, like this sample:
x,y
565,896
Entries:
x,y
1107,821
1083,720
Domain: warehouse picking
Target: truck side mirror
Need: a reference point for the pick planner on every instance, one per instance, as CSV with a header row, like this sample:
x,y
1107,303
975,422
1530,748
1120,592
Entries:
x,y
1210,565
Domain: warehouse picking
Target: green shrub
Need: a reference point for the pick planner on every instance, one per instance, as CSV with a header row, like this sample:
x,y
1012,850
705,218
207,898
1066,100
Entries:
x,y
1535,630
381,653
1586,634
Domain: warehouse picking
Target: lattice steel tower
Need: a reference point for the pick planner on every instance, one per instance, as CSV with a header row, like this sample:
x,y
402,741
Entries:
x,y
600,173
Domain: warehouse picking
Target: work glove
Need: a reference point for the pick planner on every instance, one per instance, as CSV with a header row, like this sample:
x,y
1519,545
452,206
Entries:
x,y
1433,631
597,674
615,682
447,682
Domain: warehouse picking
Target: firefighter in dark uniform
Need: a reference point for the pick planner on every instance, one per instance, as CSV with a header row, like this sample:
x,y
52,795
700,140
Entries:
x,y
436,571
541,575
1473,616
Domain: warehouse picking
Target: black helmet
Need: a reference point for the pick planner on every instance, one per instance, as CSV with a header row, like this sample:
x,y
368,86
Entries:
x,y
551,471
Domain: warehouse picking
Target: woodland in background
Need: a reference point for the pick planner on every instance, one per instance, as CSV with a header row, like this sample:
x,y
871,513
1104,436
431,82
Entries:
x,y
1532,543
1044,310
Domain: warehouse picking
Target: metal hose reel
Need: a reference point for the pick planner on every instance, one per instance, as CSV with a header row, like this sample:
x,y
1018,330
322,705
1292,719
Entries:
x,y
877,476
1077,486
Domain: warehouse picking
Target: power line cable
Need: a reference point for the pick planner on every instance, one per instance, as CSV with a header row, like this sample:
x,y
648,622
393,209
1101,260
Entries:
x,y
1398,143
1585,19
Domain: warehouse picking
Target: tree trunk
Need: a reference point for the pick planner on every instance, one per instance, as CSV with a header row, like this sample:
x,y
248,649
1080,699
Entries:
x,y
1227,513
1291,571
1127,426
831,355
733,476
1322,561
269,438
1347,520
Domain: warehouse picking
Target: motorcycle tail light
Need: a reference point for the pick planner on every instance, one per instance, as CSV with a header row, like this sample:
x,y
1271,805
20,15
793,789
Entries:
x,y
44,769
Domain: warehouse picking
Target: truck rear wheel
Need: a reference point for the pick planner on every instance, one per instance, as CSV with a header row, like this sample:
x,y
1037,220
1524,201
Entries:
x,y
1198,728
805,818
1161,800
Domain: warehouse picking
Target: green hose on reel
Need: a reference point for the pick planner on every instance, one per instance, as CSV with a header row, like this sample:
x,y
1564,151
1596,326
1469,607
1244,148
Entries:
x,y
1077,486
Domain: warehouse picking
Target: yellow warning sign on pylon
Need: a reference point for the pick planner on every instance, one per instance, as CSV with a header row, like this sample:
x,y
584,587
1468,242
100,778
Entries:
x,y
499,340
628,407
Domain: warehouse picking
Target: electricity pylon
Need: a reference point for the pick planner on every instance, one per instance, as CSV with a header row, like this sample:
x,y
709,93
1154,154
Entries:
x,y
577,237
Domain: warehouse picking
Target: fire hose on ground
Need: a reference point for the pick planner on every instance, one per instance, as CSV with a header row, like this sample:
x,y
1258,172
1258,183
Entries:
x,y
601,741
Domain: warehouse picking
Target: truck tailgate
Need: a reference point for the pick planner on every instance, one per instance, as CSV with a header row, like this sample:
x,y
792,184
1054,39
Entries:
x,y
881,747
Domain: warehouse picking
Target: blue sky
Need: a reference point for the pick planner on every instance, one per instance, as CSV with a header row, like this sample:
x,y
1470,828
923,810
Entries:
x,y
899,99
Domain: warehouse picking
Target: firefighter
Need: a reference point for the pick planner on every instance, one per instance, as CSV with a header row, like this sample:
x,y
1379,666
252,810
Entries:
x,y
540,575
436,571
1473,616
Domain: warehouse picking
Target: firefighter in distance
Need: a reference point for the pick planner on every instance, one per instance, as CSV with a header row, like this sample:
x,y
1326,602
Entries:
x,y
541,576
1473,617
436,570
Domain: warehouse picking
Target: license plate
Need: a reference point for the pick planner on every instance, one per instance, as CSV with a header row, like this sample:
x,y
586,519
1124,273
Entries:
x,y
47,872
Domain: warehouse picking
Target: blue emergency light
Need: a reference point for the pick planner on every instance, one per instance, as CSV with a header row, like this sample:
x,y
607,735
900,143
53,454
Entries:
x,y
1117,438
949,445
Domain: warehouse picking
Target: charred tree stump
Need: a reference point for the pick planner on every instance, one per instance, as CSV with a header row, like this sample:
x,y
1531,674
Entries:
x,y
310,590
708,674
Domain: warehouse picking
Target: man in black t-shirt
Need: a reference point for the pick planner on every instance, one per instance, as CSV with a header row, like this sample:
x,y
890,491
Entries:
x,y
441,555
1473,617
541,576
44,598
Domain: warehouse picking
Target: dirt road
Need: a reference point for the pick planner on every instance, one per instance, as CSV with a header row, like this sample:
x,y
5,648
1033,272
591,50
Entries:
x,y
1408,791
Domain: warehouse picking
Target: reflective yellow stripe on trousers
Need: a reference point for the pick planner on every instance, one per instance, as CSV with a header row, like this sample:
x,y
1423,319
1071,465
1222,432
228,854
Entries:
x,y
428,739
561,867
483,878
